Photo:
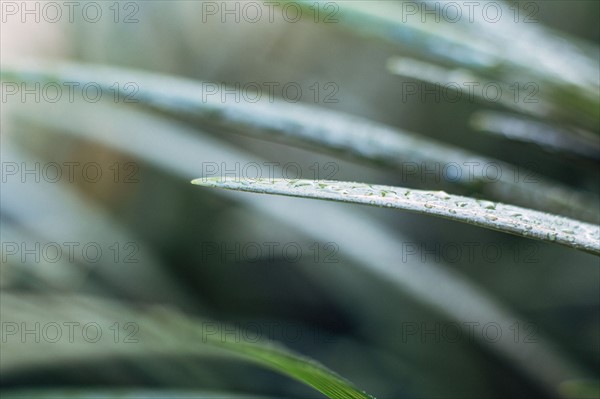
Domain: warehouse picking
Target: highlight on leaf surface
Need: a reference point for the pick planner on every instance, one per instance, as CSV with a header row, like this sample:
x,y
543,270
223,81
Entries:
x,y
506,218
550,137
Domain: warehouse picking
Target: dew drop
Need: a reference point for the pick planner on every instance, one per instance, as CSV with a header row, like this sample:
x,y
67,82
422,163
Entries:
x,y
442,195
301,184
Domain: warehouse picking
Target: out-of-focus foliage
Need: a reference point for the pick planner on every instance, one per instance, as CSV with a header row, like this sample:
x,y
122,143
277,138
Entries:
x,y
374,294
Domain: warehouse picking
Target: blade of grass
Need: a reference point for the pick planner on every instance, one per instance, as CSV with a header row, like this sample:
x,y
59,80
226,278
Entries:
x,y
525,96
506,218
320,130
554,138
159,330
458,79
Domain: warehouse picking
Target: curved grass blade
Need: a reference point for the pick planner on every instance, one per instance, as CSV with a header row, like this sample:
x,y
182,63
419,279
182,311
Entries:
x,y
524,96
320,130
553,138
506,218
159,330
458,79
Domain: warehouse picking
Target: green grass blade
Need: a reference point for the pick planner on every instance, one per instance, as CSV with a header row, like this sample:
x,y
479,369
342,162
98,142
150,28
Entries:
x,y
459,78
506,218
535,98
160,330
320,130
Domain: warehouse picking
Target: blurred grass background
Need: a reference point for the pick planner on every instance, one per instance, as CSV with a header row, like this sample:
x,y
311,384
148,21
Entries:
x,y
359,316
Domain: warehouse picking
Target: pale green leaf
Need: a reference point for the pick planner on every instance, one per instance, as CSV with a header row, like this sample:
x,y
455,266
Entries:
x,y
492,215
